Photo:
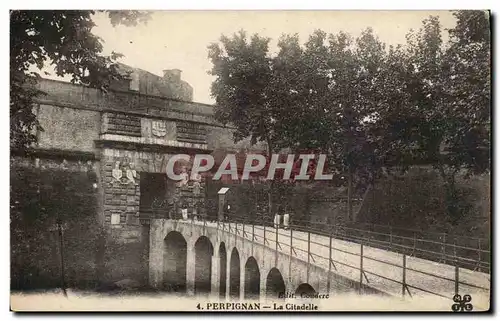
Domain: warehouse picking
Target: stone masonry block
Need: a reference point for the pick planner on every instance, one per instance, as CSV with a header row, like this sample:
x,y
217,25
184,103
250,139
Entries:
x,y
109,207
132,219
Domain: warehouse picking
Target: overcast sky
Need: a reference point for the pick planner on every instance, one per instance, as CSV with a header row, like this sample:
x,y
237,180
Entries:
x,y
179,39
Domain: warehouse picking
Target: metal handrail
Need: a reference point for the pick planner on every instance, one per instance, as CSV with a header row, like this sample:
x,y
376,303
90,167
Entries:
x,y
335,232
392,244
427,232
400,236
479,251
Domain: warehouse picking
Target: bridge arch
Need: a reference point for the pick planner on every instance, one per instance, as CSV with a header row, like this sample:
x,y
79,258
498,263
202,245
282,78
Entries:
x,y
275,285
304,289
234,274
222,270
204,251
252,279
174,262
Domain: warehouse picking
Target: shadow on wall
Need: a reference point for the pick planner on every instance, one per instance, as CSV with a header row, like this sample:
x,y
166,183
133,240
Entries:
x,y
38,197
417,200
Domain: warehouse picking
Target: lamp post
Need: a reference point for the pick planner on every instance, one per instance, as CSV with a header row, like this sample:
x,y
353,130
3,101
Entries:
x,y
222,198
60,227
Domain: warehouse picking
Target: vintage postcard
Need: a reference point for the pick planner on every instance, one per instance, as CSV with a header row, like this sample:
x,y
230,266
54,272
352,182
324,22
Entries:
x,y
250,161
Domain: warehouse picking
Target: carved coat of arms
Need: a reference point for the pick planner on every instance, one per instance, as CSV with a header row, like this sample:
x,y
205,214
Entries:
x,y
124,173
159,128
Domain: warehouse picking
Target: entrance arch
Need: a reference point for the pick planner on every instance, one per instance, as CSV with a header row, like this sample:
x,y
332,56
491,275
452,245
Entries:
x,y
223,270
252,279
234,275
204,251
174,262
275,285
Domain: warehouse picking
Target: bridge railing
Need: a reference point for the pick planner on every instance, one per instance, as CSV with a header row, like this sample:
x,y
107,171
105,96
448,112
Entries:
x,y
466,252
300,240
454,250
471,252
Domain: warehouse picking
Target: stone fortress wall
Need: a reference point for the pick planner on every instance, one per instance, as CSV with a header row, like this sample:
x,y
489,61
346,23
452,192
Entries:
x,y
119,135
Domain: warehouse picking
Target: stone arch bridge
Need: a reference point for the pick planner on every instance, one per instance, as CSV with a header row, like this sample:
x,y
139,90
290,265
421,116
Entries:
x,y
243,261
206,258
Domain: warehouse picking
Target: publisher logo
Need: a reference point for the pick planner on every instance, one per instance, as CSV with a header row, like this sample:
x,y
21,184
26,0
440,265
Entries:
x,y
462,304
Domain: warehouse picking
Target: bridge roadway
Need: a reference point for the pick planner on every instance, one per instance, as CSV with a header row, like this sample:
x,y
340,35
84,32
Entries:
x,y
383,270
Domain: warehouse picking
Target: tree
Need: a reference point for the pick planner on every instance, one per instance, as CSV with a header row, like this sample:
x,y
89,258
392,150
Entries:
x,y
466,102
275,100
288,87
63,39
369,107
449,89
467,95
337,93
241,89
437,110
356,82
306,98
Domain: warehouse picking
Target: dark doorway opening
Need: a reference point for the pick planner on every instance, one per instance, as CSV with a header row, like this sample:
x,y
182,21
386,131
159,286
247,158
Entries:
x,y
153,190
